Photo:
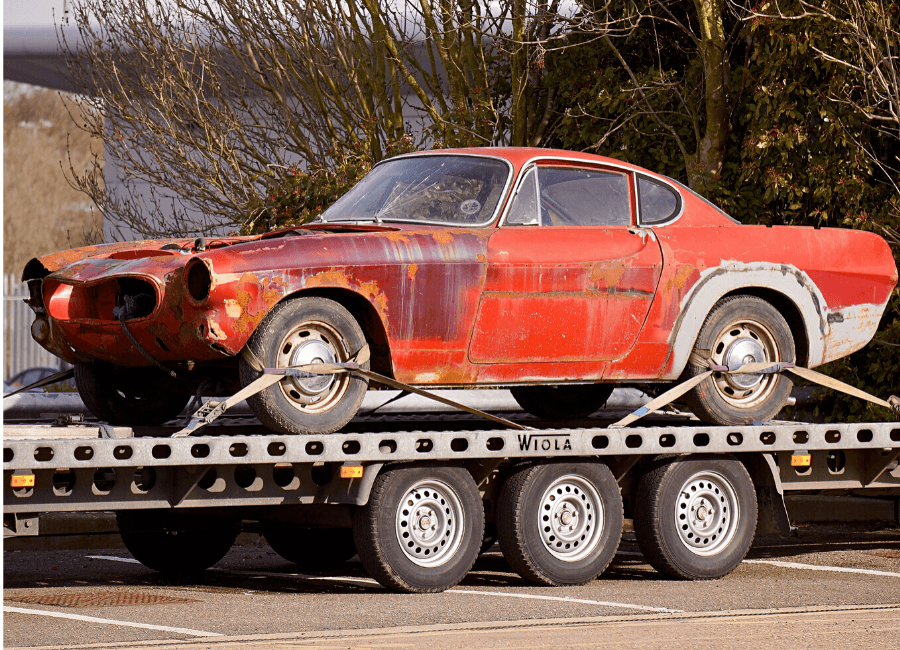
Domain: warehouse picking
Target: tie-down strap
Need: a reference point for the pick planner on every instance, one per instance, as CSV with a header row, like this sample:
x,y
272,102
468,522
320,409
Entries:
x,y
212,410
764,368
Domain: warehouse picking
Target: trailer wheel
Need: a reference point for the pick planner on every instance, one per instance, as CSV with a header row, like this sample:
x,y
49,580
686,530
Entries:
x,y
311,549
422,528
562,402
176,542
301,331
560,523
695,518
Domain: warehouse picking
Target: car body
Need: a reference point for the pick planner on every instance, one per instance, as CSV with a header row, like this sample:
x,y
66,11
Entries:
x,y
457,278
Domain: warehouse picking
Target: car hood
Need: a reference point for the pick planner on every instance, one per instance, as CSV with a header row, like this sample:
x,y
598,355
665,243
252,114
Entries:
x,y
167,252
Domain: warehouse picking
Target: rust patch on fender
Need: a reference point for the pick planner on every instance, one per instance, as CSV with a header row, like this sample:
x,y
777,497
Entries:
x,y
233,308
442,236
411,271
255,301
679,280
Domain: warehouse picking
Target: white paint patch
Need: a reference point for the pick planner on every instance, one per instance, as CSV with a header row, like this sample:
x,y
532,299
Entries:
x,y
426,378
109,621
564,599
816,567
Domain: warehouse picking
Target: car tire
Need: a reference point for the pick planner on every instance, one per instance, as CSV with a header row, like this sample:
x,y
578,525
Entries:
x,y
176,542
741,329
560,523
312,549
563,401
299,331
131,397
695,518
426,547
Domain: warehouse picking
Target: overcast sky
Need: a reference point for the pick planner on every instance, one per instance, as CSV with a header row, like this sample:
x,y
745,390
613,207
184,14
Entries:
x,y
19,13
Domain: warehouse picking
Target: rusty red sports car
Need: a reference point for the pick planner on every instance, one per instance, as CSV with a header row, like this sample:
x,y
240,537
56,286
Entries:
x,y
557,274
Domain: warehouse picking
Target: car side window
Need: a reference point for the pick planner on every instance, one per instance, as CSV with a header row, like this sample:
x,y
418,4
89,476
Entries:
x,y
659,203
583,197
523,211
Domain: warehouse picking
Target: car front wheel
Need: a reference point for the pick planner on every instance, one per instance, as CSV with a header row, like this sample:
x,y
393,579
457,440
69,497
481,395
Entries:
x,y
306,331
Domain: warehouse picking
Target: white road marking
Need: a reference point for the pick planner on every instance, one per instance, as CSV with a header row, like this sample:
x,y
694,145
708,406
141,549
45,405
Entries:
x,y
564,599
370,581
113,558
109,621
816,567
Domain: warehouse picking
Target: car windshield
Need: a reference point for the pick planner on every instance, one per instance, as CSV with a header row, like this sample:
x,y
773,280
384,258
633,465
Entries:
x,y
446,189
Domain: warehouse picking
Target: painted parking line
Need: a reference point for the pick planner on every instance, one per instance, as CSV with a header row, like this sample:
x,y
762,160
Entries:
x,y
564,599
113,558
371,582
816,567
109,621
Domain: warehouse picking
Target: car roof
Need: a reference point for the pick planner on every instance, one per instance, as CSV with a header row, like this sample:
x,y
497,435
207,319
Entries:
x,y
519,156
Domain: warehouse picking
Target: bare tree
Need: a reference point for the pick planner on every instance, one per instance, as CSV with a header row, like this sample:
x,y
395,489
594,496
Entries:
x,y
202,103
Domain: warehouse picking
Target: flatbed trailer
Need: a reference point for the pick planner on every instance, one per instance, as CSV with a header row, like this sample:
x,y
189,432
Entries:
x,y
418,506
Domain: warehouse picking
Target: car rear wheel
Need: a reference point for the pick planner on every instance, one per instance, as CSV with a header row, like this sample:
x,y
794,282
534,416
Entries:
x,y
740,330
303,331
563,401
130,397
312,549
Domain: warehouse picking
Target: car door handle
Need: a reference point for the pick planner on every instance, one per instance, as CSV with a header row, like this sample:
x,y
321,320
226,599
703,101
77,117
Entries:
x,y
643,233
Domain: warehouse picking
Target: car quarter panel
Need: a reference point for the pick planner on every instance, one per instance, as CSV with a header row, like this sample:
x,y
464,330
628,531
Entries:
x,y
838,280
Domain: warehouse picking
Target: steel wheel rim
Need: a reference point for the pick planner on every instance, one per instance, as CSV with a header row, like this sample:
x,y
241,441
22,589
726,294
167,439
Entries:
x,y
706,513
312,342
570,518
739,343
430,523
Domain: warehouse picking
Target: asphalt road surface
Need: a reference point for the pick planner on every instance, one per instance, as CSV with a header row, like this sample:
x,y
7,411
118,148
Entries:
x,y
827,587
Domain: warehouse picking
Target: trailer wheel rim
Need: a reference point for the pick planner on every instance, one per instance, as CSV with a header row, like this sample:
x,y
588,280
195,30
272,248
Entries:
x,y
430,523
571,518
707,513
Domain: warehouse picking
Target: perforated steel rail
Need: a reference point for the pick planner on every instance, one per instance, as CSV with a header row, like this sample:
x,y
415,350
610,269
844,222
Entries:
x,y
258,470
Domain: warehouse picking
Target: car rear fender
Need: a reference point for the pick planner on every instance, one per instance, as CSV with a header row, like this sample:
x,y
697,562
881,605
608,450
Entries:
x,y
733,277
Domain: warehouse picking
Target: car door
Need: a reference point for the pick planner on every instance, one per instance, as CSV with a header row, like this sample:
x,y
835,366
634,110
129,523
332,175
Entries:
x,y
570,278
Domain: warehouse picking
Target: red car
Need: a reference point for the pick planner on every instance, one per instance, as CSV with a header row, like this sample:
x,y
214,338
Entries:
x,y
557,274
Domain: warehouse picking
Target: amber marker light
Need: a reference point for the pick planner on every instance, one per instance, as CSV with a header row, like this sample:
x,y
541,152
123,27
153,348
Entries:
x,y
351,471
801,459
26,480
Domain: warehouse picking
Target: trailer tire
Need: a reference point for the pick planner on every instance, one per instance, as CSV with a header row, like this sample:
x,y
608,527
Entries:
x,y
560,523
696,517
421,530
563,402
311,549
176,542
